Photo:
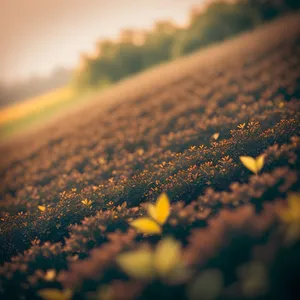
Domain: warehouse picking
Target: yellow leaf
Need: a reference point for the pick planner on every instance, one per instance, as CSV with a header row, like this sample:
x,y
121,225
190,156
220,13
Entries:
x,y
146,225
50,275
162,209
260,161
294,202
291,214
101,160
216,135
152,211
167,256
253,164
137,264
140,151
158,212
86,202
41,207
286,215
249,163
241,126
55,294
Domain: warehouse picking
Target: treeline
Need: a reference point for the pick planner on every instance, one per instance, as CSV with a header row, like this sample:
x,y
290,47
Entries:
x,y
138,50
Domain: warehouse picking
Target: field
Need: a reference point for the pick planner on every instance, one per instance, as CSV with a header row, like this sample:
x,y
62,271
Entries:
x,y
69,191
33,113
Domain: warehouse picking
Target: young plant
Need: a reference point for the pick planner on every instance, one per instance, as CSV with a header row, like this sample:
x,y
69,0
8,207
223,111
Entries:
x,y
253,164
42,208
164,262
50,275
87,202
215,136
158,215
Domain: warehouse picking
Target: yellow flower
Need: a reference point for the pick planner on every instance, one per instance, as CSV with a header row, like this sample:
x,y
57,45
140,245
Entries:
x,y
147,264
41,207
87,202
158,212
253,164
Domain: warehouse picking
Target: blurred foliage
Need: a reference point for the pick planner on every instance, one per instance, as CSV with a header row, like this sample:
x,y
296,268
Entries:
x,y
138,50
219,21
34,86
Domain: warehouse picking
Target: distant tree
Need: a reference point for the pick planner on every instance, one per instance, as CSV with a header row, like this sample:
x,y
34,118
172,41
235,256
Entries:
x,y
136,50
270,9
219,21
159,43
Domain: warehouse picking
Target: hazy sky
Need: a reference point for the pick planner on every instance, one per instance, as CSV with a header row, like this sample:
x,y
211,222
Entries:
x,y
38,35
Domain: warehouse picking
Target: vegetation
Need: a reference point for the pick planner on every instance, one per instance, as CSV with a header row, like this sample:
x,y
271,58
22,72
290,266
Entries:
x,y
134,52
34,86
32,112
70,207
138,50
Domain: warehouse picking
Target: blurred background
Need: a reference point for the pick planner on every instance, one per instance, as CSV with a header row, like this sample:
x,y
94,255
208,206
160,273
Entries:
x,y
55,54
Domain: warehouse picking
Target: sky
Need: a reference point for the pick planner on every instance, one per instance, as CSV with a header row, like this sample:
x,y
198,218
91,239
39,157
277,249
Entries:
x,y
38,35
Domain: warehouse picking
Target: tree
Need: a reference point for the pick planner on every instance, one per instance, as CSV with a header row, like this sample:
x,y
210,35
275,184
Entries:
x,y
219,21
138,50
